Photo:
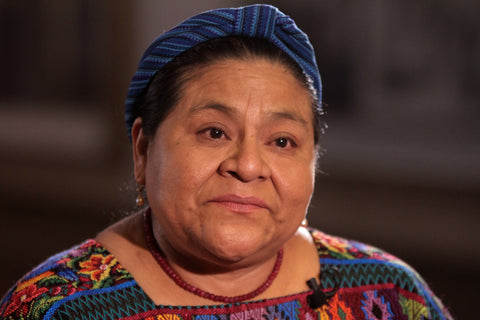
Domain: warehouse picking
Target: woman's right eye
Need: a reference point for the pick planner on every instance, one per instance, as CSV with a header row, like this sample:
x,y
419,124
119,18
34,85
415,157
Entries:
x,y
213,133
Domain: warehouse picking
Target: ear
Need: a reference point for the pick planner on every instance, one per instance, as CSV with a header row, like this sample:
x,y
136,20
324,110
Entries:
x,y
139,148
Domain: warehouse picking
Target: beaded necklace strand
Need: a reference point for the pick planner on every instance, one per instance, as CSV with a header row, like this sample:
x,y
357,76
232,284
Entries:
x,y
159,256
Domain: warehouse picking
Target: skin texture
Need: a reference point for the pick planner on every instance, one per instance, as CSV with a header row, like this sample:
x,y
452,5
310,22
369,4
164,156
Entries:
x,y
229,175
241,130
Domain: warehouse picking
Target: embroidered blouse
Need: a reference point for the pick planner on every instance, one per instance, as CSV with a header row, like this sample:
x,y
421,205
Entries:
x,y
87,282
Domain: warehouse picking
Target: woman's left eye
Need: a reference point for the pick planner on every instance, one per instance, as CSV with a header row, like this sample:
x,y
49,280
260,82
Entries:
x,y
215,133
283,142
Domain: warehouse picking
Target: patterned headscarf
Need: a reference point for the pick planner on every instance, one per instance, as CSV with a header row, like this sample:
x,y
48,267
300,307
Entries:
x,y
255,21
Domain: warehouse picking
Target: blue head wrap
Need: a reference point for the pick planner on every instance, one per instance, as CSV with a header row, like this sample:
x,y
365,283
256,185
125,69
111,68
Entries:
x,y
255,21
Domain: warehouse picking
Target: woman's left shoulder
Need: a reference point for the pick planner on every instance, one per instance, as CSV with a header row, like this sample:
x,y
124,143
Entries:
x,y
335,247
365,269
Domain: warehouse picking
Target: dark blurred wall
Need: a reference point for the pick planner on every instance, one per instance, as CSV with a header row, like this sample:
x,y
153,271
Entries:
x,y
401,87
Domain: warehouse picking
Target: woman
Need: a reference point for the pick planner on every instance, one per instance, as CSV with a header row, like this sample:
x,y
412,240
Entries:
x,y
224,118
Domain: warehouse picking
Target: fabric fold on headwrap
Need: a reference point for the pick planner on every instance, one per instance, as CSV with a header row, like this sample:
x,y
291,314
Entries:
x,y
255,21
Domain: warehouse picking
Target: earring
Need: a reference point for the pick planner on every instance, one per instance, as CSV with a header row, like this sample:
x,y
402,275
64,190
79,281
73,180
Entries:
x,y
304,223
140,200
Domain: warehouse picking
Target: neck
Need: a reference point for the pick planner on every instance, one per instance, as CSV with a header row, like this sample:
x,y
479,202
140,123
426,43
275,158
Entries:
x,y
235,281
230,283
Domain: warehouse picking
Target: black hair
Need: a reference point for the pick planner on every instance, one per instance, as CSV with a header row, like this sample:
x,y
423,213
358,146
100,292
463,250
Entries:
x,y
164,89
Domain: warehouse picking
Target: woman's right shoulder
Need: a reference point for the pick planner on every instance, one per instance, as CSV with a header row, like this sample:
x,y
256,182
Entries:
x,y
85,267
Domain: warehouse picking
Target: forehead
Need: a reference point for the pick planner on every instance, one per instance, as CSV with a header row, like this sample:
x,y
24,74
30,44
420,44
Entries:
x,y
253,85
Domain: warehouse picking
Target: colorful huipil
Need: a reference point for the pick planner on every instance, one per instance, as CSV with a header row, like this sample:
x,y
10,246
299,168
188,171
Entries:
x,y
88,282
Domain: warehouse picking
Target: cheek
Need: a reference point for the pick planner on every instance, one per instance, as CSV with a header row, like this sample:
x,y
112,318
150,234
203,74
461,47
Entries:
x,y
295,184
302,187
178,172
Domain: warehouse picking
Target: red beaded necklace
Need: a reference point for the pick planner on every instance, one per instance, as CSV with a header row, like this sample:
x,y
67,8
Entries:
x,y
158,254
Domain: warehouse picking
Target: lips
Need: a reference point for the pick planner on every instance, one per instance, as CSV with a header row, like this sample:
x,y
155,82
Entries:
x,y
239,203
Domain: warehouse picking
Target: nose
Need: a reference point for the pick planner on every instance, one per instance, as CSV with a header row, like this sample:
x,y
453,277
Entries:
x,y
246,162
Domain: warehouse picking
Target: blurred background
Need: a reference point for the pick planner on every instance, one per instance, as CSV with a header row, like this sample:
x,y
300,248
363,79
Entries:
x,y
402,163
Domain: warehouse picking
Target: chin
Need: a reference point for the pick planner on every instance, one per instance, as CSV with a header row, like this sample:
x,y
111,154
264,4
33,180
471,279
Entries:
x,y
238,244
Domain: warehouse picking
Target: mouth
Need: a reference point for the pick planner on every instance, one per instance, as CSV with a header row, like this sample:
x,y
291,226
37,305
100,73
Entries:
x,y
238,203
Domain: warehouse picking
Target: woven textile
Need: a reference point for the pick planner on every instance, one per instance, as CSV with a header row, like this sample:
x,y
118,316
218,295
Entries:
x,y
87,282
255,21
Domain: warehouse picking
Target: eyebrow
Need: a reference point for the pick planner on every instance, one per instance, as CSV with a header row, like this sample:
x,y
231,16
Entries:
x,y
213,106
274,115
282,115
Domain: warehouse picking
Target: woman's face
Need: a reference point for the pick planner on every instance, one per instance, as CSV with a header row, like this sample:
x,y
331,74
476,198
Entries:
x,y
230,171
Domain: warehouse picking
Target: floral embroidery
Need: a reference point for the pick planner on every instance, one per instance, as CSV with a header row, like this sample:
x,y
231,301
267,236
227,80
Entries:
x,y
98,267
34,280
86,267
335,245
375,291
21,299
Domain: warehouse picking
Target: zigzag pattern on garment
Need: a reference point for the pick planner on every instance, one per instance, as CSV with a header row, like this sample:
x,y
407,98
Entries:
x,y
356,273
99,304
287,310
